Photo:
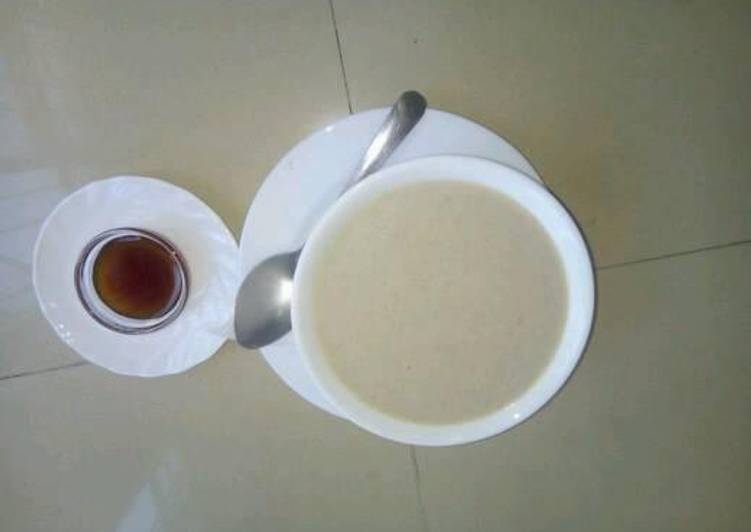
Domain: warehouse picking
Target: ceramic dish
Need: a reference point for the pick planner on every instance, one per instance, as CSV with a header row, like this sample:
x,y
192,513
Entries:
x,y
207,246
496,178
309,178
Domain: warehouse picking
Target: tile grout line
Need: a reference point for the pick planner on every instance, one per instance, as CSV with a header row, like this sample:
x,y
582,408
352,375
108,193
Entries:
x,y
418,485
46,370
341,56
675,254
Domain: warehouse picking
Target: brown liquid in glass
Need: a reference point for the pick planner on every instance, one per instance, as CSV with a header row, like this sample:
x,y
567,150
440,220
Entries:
x,y
137,277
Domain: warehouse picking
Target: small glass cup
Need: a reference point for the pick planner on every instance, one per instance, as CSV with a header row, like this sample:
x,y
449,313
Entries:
x,y
104,314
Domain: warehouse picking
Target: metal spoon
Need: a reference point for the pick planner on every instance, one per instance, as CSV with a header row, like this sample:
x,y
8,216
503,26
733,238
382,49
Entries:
x,y
262,307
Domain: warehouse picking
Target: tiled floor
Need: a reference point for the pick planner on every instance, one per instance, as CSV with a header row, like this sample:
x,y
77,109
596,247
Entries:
x,y
636,114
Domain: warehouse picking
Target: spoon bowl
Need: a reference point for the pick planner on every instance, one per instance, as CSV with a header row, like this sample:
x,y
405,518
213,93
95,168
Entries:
x,y
270,281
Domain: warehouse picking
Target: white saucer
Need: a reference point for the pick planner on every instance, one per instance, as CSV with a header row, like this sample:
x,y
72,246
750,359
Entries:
x,y
309,178
209,250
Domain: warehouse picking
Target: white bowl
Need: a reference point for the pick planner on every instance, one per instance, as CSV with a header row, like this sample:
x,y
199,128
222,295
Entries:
x,y
562,230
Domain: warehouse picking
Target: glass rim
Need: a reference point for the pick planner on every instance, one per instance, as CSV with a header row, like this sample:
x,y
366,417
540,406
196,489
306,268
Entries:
x,y
99,310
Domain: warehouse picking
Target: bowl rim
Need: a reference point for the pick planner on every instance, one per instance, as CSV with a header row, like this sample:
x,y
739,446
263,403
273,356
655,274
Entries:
x,y
531,196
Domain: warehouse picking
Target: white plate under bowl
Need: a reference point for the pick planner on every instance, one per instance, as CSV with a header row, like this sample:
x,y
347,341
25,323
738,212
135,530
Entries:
x,y
209,250
310,177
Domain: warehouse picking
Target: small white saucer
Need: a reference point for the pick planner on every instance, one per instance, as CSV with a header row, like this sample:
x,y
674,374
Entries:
x,y
310,177
209,250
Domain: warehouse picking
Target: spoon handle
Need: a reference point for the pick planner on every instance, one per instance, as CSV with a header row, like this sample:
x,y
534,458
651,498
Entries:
x,y
403,116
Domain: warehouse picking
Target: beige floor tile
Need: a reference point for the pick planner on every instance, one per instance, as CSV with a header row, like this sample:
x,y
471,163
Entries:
x,y
224,447
651,433
27,343
636,113
205,96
